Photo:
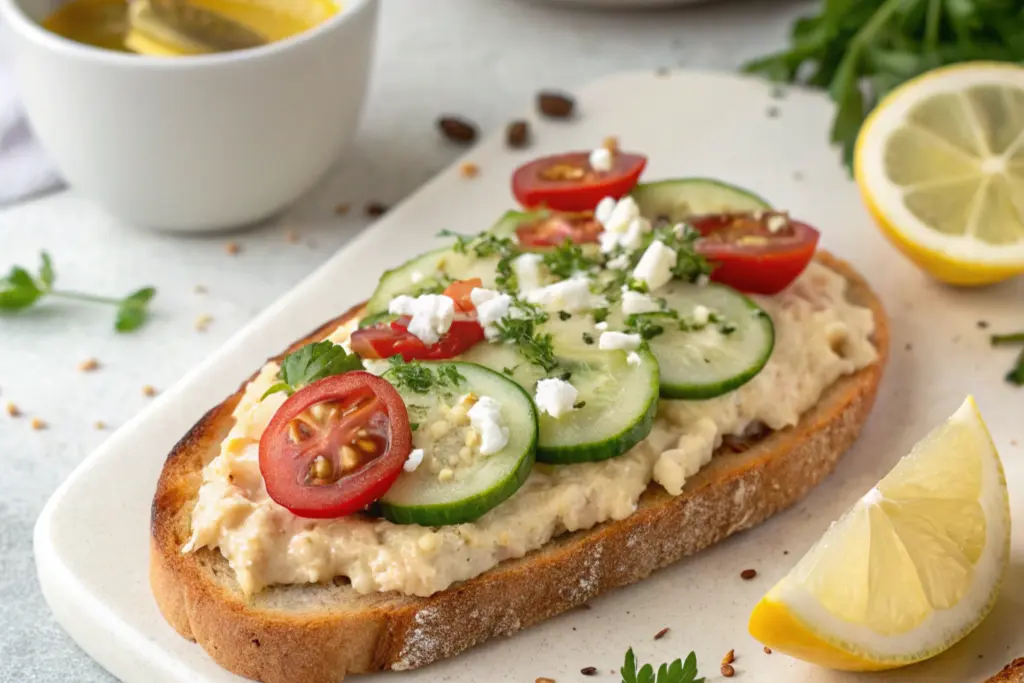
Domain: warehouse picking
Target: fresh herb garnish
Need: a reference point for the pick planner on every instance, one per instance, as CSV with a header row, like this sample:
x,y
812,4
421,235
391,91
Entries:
x,y
311,363
564,315
599,315
519,327
1016,374
862,50
486,245
421,378
20,290
646,325
567,260
676,672
588,338
682,239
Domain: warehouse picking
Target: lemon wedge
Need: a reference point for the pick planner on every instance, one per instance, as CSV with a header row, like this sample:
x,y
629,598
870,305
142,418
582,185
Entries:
x,y
911,569
940,165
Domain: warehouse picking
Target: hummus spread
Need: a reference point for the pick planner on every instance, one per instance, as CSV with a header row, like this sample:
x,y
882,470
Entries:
x,y
820,337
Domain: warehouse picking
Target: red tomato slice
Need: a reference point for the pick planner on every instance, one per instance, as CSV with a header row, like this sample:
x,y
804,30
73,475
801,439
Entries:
x,y
459,292
566,182
335,446
385,340
554,230
752,257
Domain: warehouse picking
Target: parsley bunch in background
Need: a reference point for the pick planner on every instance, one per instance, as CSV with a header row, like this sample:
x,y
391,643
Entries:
x,y
862,49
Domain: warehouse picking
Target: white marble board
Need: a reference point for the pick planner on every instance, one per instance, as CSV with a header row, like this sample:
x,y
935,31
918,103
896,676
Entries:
x,y
91,540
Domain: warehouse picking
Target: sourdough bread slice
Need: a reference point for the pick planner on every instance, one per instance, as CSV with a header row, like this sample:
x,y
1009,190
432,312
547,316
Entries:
x,y
319,633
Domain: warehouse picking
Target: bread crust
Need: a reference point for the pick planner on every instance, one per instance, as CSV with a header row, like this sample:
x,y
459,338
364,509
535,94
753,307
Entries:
x,y
1011,673
319,633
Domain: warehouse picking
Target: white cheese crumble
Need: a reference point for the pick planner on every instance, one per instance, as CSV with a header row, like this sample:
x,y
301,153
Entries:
x,y
431,315
620,262
556,397
527,269
416,277
572,295
637,303
623,224
601,326
414,460
777,222
485,417
619,341
655,266
633,358
604,209
601,160
701,315
491,306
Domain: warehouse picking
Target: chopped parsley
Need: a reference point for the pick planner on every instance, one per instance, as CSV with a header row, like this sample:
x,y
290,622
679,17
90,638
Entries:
x,y
689,264
567,260
1016,374
676,672
588,338
421,378
647,325
311,363
564,315
487,245
519,327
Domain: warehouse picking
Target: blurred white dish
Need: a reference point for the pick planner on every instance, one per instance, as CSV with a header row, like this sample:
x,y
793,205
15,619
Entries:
x,y
198,143
625,4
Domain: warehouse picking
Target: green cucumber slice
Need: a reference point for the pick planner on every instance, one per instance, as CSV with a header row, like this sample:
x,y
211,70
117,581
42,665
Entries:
x,y
723,355
421,497
620,399
676,200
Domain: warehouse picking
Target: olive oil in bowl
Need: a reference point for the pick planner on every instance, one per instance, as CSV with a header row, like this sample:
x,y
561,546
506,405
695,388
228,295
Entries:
x,y
177,28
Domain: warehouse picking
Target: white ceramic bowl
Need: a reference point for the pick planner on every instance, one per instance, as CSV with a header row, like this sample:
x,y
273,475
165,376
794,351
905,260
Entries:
x,y
198,143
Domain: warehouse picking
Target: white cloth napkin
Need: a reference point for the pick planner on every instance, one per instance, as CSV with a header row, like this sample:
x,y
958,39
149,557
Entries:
x,y
25,170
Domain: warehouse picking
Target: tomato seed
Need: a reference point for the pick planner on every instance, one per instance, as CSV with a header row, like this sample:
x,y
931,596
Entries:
x,y
349,457
457,129
322,468
555,105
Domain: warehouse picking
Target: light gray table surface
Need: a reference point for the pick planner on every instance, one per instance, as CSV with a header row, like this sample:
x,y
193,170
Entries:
x,y
484,59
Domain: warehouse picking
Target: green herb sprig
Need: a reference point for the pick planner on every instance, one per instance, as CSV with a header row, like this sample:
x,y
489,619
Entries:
x,y
311,363
1016,374
519,327
690,265
567,260
422,378
487,245
676,672
19,290
860,50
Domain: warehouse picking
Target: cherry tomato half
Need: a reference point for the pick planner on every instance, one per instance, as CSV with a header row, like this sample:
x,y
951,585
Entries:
x,y
566,182
761,253
553,230
460,291
335,446
385,340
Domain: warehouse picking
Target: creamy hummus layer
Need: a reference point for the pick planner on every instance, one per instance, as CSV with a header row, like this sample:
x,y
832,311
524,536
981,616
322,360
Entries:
x,y
820,337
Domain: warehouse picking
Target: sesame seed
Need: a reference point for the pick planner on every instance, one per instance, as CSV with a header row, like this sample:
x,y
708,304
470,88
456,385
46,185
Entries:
x,y
661,634
545,680
100,425
469,170
232,248
203,322
13,410
88,365
611,143
149,390
767,650
729,657
38,423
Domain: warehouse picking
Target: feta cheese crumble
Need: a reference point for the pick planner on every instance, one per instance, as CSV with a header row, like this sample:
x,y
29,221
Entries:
x,y
572,295
623,224
491,306
431,315
701,315
485,418
633,358
412,463
601,160
619,341
637,303
556,397
527,270
655,266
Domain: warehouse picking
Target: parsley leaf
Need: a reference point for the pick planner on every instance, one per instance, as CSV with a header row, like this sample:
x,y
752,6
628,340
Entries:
x,y
567,260
311,363
20,290
683,240
676,672
646,324
519,327
487,245
1016,374
421,378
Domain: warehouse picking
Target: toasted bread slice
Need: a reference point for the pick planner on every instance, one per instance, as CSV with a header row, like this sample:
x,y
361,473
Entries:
x,y
318,633
1011,673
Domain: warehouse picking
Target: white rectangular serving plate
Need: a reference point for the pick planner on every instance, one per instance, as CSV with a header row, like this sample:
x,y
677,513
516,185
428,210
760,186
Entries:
x,y
92,539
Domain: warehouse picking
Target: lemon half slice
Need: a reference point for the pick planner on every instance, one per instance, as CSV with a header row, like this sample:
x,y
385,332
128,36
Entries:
x,y
911,569
940,165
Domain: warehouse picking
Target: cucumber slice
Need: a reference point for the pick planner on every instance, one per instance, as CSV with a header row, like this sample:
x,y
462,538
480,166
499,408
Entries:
x,y
676,200
723,355
619,398
421,497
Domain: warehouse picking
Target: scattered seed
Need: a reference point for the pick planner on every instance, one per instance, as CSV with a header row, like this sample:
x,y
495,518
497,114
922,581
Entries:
x,y
982,324
375,209
457,129
13,410
728,671
611,143
199,289
469,170
555,105
773,112
342,209
517,134
149,390
38,423
748,574
767,650
729,657
233,248
785,552
203,322
589,671
99,425
88,365
291,236
1013,442
661,634
545,680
